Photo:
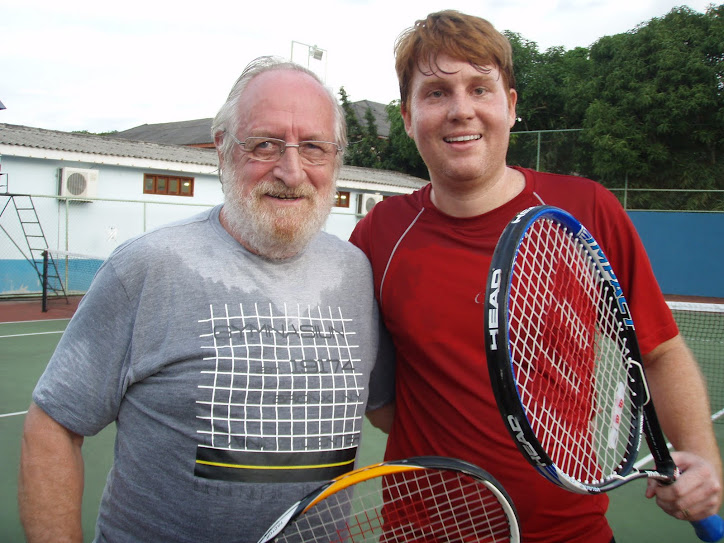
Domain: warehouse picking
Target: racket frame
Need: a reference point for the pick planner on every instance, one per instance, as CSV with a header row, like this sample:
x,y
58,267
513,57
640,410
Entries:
x,y
501,365
392,467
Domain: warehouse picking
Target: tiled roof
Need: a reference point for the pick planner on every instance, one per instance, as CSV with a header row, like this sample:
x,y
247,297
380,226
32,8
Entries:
x,y
196,132
39,138
379,112
379,177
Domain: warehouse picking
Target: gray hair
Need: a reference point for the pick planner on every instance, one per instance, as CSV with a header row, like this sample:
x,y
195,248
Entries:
x,y
227,119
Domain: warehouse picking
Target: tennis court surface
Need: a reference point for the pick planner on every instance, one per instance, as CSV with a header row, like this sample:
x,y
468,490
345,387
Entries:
x,y
28,338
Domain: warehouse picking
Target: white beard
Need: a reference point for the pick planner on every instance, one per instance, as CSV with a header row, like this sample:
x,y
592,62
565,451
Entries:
x,y
274,234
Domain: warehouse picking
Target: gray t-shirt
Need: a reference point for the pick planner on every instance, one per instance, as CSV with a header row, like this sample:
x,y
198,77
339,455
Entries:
x,y
237,384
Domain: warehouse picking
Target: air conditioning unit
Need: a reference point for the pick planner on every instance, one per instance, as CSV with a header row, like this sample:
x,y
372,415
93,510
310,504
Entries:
x,y
365,202
78,183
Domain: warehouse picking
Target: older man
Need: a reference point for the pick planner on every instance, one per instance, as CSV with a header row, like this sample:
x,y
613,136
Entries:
x,y
227,348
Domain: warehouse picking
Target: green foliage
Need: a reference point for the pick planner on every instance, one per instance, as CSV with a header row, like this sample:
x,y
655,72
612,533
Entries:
x,y
659,99
650,102
110,133
367,149
356,154
371,146
658,116
364,147
549,98
401,152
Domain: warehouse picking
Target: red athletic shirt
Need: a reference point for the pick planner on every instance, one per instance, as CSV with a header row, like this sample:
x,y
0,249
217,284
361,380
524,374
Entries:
x,y
430,271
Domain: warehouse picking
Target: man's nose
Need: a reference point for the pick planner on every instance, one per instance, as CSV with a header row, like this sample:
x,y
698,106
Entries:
x,y
289,167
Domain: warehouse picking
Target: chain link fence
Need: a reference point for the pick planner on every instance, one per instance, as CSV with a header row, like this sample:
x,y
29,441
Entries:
x,y
566,152
93,228
90,230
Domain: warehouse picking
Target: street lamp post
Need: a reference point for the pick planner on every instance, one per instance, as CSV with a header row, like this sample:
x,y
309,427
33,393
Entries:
x,y
313,52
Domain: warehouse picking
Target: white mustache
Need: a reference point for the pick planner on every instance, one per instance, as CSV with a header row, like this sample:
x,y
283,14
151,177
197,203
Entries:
x,y
277,189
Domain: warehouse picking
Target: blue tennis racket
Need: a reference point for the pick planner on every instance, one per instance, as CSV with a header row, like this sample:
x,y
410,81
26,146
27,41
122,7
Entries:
x,y
564,360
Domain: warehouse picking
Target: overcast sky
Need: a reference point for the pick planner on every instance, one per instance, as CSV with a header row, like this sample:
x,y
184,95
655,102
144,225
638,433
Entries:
x,y
89,65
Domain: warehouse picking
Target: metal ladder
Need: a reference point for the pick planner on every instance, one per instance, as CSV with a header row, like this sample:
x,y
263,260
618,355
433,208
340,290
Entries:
x,y
36,243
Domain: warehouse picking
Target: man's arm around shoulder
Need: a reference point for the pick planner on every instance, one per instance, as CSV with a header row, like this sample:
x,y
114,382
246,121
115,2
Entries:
x,y
382,417
50,485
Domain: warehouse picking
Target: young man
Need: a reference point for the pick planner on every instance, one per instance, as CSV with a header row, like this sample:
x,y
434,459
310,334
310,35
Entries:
x,y
430,253
226,347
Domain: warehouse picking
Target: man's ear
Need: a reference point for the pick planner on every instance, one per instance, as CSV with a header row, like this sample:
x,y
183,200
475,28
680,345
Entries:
x,y
218,140
512,101
406,117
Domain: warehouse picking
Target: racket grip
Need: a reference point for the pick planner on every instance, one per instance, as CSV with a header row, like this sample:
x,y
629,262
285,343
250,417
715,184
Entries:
x,y
709,529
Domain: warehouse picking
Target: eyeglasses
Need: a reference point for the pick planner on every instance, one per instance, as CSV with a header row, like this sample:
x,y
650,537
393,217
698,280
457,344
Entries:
x,y
272,149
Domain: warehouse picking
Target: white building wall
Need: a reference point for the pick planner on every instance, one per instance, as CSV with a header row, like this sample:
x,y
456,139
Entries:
x,y
97,226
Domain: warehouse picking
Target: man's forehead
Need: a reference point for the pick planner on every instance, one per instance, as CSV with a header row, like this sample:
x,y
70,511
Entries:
x,y
284,79
279,86
442,65
279,100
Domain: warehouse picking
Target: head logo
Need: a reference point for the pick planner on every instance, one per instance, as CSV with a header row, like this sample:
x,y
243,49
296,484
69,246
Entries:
x,y
493,306
524,443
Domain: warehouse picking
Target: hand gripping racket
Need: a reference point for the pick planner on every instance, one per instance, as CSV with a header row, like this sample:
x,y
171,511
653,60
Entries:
x,y
564,361
423,499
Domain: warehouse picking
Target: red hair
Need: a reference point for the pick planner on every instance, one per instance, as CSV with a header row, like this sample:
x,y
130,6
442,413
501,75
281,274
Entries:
x,y
460,36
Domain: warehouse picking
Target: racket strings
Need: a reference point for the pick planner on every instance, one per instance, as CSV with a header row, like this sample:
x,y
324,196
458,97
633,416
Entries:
x,y
421,505
568,358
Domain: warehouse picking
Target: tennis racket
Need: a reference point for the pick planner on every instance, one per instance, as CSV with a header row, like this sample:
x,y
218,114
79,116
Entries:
x,y
564,361
422,499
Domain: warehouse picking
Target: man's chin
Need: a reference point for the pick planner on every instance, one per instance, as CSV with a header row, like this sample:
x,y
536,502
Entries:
x,y
275,236
282,241
286,232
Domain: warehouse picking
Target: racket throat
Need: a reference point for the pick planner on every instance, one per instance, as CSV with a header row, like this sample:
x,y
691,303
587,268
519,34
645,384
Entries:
x,y
665,466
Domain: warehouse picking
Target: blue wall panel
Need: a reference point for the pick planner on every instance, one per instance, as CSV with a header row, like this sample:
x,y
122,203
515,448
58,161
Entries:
x,y
686,250
18,277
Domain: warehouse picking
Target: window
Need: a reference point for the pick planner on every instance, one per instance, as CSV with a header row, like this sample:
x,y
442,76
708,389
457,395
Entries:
x,y
341,199
166,184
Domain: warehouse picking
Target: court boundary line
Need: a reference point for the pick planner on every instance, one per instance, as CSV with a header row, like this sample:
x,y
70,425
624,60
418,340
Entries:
x,y
23,413
17,413
33,334
34,321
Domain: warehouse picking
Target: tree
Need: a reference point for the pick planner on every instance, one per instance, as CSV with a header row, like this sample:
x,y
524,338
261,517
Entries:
x,y
658,116
401,153
548,84
549,98
372,145
361,146
367,149
649,101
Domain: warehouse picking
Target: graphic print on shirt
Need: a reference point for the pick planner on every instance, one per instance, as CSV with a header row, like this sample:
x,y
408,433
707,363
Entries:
x,y
280,399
